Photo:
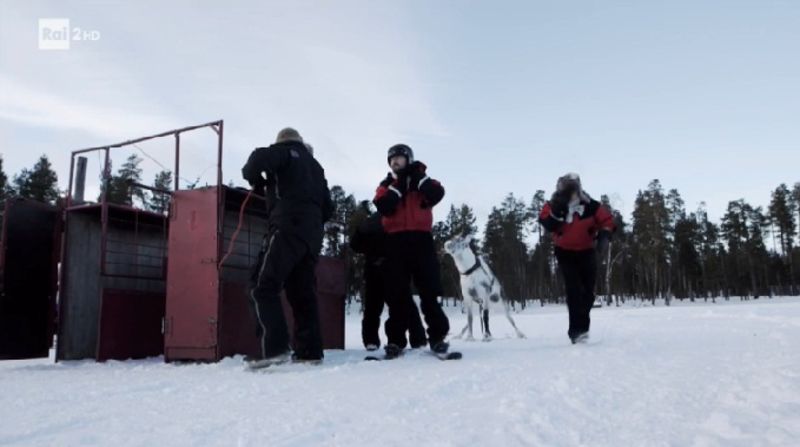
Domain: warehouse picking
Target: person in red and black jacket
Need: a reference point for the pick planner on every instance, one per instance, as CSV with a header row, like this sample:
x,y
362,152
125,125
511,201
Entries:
x,y
580,227
405,199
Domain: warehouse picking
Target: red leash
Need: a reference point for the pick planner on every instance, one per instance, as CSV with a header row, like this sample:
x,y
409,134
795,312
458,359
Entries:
x,y
238,228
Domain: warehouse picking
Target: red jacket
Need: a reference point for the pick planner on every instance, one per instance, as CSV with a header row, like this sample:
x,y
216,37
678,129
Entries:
x,y
406,203
579,234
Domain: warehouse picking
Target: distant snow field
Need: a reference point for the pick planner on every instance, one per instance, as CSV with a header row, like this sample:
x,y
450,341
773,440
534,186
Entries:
x,y
701,374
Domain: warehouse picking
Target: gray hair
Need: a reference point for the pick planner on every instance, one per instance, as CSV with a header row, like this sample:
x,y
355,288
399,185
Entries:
x,y
288,134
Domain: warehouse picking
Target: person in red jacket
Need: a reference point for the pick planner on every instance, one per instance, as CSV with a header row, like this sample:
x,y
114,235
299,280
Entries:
x,y
405,199
580,226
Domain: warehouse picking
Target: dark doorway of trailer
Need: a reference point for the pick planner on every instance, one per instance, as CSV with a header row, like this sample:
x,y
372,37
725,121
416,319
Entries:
x,y
28,278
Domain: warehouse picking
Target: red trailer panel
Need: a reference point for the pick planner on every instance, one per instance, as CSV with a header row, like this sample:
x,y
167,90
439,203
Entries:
x,y
208,313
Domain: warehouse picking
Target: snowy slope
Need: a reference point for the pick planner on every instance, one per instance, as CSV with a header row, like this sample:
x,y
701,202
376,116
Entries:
x,y
693,374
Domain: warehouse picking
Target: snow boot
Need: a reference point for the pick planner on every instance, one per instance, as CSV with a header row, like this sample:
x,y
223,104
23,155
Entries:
x,y
392,351
296,358
372,347
580,338
440,347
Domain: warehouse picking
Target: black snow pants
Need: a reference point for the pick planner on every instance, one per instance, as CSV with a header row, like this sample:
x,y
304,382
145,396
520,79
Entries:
x,y
375,295
286,262
579,269
412,256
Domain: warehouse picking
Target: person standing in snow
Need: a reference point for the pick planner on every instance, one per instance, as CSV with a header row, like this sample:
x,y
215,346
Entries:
x,y
299,203
405,199
369,239
580,227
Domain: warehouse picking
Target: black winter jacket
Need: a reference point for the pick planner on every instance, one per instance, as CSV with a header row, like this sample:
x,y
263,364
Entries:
x,y
298,199
369,239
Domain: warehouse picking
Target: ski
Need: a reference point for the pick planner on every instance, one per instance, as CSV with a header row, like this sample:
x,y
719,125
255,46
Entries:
x,y
376,358
259,365
453,355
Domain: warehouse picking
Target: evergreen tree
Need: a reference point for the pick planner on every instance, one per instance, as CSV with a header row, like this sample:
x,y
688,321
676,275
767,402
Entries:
x,y
781,214
650,230
504,243
4,186
460,221
336,229
120,189
159,201
541,266
39,183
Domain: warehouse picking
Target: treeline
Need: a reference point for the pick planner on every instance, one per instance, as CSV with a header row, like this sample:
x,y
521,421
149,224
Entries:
x,y
40,183
662,251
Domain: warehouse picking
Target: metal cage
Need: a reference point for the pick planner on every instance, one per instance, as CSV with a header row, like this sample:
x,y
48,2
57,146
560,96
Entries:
x,y
113,274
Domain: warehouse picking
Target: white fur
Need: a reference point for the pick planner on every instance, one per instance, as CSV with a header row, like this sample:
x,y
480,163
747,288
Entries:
x,y
482,281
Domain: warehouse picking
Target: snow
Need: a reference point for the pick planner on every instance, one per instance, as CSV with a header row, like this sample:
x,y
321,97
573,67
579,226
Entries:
x,y
694,374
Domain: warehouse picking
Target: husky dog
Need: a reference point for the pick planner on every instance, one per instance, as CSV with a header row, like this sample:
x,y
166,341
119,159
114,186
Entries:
x,y
479,286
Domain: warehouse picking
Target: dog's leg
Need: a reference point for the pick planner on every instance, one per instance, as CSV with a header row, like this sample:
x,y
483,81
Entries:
x,y
511,320
466,326
487,334
469,324
480,317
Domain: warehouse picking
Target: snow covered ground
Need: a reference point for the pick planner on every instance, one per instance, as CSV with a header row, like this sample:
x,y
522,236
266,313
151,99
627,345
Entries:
x,y
697,374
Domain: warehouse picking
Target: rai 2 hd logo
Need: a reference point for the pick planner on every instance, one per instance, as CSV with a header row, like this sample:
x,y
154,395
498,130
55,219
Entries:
x,y
57,34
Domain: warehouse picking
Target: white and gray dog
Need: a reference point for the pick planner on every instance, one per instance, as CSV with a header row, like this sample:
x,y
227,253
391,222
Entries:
x,y
479,286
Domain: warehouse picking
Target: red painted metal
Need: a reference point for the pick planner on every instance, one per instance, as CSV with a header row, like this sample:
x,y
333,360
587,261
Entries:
x,y
130,325
114,264
112,287
208,313
193,286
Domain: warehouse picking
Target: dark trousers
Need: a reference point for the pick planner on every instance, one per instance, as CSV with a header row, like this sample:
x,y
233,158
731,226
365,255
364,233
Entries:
x,y
579,269
375,295
286,262
412,256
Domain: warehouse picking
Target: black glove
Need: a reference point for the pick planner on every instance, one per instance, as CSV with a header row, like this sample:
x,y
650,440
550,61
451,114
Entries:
x,y
415,175
601,244
398,183
388,180
559,205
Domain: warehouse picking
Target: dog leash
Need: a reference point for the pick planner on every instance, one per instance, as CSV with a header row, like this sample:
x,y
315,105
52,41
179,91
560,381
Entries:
x,y
238,228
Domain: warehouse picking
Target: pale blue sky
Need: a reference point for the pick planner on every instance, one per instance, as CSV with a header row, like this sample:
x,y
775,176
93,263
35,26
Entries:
x,y
495,96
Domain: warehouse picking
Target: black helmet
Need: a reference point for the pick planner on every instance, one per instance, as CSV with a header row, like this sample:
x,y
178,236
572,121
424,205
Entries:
x,y
400,149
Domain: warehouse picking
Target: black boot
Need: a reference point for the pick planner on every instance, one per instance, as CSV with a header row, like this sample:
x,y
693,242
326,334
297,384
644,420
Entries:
x,y
440,347
392,351
583,337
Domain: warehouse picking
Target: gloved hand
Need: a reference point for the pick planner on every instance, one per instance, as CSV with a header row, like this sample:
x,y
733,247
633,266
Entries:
x,y
398,183
388,180
601,243
559,205
415,175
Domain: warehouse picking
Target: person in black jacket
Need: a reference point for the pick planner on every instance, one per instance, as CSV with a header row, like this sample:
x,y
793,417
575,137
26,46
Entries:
x,y
369,239
299,203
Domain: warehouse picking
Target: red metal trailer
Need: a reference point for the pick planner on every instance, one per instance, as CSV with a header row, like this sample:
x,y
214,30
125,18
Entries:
x,y
28,278
113,278
208,314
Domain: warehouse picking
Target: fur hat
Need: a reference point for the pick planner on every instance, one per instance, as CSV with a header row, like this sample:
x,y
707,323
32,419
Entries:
x,y
288,134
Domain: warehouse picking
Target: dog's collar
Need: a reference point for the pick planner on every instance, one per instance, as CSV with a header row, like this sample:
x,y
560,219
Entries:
x,y
473,268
